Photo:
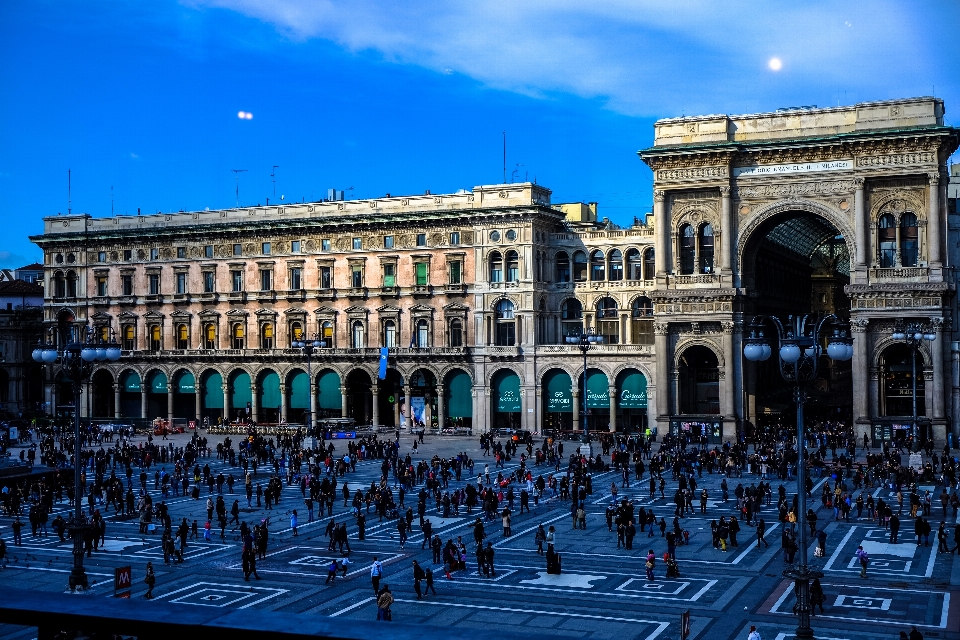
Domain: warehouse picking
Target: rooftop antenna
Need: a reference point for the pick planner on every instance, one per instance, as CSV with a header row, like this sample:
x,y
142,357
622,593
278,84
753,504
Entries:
x,y
236,175
504,157
273,175
69,195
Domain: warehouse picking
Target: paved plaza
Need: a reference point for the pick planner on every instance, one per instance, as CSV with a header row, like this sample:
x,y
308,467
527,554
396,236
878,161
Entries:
x,y
601,593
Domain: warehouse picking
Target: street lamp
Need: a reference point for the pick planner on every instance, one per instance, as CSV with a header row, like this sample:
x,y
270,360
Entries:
x,y
307,347
799,355
914,334
76,359
585,340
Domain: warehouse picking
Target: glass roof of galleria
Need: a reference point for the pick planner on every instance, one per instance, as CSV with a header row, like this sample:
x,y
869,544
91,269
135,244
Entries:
x,y
813,238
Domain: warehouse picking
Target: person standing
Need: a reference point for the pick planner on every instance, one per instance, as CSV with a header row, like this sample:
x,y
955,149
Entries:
x,y
293,522
376,572
894,528
418,576
754,634
150,580
651,558
540,537
384,600
761,531
864,560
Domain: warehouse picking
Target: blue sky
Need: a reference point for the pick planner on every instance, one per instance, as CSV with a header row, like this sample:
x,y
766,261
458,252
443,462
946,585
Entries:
x,y
399,97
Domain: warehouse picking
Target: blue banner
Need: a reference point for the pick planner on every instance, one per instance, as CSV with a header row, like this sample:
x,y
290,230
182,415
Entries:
x,y
383,363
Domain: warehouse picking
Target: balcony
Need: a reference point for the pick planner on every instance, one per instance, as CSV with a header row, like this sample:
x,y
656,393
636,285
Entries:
x,y
296,295
237,296
421,290
266,296
357,292
325,294
181,298
502,352
127,300
153,298
599,349
100,301
208,298
389,292
455,289
912,274
698,278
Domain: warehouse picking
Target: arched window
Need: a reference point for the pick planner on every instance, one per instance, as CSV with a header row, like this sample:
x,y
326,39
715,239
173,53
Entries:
x,y
642,307
688,249
357,337
156,338
641,317
266,335
908,240
183,336
608,320
513,266
389,334
456,333
71,284
887,239
597,266
571,317
423,333
237,334
506,330
129,338
616,265
579,266
326,333
634,265
496,267
59,285
210,336
563,266
706,249
296,331
649,265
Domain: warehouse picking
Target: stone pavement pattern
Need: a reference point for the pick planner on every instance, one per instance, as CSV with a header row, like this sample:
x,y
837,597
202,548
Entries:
x,y
602,592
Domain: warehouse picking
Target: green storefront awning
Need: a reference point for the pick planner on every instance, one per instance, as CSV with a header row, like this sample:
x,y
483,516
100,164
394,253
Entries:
x,y
185,383
158,382
213,392
632,391
270,391
557,388
300,391
328,388
241,391
130,382
459,397
598,391
506,392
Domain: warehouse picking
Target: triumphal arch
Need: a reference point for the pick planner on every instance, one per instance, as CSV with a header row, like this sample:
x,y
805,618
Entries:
x,y
800,211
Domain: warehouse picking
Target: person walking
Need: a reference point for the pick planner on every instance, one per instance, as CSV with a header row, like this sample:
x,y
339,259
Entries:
x,y
418,577
384,600
817,596
651,559
150,580
754,634
864,560
376,572
761,531
293,522
540,537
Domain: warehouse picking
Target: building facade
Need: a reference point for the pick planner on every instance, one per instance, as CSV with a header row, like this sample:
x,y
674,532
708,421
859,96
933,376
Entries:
x,y
840,210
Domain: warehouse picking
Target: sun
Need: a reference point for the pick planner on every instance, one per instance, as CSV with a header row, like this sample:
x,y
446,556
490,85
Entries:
x,y
775,64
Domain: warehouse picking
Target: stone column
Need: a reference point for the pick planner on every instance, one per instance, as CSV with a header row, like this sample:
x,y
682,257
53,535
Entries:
x,y
116,400
169,402
226,401
575,398
143,400
441,406
861,367
198,399
934,223
375,409
612,394
627,328
874,400
728,383
254,403
283,402
312,418
862,222
662,233
939,416
661,341
343,401
407,397
727,232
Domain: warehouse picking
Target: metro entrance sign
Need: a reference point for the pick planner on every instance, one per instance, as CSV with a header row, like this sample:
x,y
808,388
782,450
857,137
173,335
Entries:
x,y
122,582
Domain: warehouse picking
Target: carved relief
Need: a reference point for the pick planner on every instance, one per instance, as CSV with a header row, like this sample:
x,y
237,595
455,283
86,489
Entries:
x,y
342,243
897,159
436,240
859,325
250,248
692,173
466,237
311,245
405,240
796,189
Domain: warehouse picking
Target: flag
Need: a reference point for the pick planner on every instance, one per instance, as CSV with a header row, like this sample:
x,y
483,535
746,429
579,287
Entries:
x,y
383,363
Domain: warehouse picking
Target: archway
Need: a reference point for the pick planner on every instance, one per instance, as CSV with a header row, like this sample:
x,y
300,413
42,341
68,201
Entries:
x,y
359,397
901,367
458,399
130,394
506,402
389,397
597,416
631,401
268,389
557,400
298,397
329,396
241,397
422,403
699,388
184,395
156,395
102,405
212,396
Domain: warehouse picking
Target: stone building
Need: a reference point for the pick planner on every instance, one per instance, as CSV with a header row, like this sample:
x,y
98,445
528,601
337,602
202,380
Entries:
x,y
839,210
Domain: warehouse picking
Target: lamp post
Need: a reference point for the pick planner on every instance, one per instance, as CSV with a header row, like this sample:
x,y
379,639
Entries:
x,y
584,341
76,359
799,355
914,334
307,347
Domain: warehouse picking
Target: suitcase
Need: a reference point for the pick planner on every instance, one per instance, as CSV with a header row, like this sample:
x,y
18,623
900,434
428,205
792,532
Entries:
x,y
553,566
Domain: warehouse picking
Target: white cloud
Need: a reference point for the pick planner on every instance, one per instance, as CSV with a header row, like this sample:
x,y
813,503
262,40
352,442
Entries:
x,y
646,57
133,155
10,260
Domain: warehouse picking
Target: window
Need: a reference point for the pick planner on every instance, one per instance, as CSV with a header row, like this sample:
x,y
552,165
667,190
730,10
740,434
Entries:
x,y
102,256
456,333
326,333
634,265
706,249
358,243
908,240
357,338
505,331
513,266
641,317
210,336
265,248
126,285
71,284
423,333
181,252
511,235
101,286
295,248
356,276
325,244
237,335
208,282
153,284
388,242
181,283
649,265
154,254
455,272
887,237
608,320
296,331
236,278
296,278
389,274
208,250
562,261
616,265
266,280
156,338
325,277
688,249
421,239
421,273
183,336
127,255
496,267
266,336
454,238
390,334
237,249
597,266
579,266
129,337
571,317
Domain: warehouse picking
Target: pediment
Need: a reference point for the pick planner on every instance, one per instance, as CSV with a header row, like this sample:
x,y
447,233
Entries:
x,y
179,313
388,308
325,311
421,308
154,315
209,315
101,315
237,313
264,313
127,315
295,312
355,310
456,307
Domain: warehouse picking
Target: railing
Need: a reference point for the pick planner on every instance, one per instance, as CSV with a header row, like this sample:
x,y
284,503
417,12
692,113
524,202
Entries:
x,y
602,348
901,272
237,296
700,278
503,352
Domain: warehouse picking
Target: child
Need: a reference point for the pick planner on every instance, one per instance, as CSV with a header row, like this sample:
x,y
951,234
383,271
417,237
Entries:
x,y
293,522
193,531
429,578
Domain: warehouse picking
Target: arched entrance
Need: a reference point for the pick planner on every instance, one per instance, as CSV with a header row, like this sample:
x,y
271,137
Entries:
x,y
631,401
458,400
268,388
298,397
597,417
241,397
329,396
212,396
557,400
103,396
505,400
359,397
903,369
130,394
184,395
389,397
422,407
156,395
